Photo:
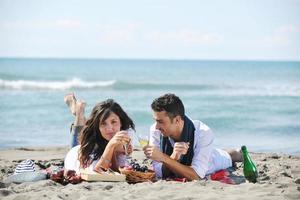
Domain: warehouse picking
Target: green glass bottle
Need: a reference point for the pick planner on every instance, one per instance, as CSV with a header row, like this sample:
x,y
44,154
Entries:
x,y
250,171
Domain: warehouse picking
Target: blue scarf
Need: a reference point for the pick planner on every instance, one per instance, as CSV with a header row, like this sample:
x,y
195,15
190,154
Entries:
x,y
187,135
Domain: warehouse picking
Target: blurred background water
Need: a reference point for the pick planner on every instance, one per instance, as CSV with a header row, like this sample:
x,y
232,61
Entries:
x,y
253,103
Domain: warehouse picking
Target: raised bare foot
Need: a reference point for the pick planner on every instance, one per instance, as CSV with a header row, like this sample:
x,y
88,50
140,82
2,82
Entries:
x,y
79,113
79,107
70,100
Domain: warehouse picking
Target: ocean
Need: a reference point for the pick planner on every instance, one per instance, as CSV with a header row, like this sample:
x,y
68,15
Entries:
x,y
253,103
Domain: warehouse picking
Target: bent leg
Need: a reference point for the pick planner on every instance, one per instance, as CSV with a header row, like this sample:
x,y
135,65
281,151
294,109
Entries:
x,y
79,113
78,123
75,131
70,100
77,109
220,159
236,156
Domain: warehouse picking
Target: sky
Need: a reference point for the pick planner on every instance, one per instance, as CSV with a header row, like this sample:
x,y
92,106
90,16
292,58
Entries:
x,y
151,29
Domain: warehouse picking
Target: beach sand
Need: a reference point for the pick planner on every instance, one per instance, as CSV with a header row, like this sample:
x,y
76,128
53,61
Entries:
x,y
279,179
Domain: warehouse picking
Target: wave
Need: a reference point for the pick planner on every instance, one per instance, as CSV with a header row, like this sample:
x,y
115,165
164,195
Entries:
x,y
123,85
205,89
75,83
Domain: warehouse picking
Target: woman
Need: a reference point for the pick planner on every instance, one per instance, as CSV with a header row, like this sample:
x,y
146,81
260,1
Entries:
x,y
102,137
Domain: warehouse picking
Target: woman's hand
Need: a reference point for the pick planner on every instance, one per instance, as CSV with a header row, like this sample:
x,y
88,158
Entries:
x,y
129,148
120,149
119,139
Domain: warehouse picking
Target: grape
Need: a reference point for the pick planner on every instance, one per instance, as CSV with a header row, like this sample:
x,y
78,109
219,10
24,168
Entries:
x,y
138,167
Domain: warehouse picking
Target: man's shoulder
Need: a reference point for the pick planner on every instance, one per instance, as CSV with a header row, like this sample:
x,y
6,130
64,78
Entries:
x,y
203,134
199,125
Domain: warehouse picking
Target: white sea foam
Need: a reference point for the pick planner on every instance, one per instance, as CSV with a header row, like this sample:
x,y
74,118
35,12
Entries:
x,y
53,85
269,90
206,89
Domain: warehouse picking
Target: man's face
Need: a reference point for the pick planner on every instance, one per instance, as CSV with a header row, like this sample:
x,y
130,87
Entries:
x,y
164,123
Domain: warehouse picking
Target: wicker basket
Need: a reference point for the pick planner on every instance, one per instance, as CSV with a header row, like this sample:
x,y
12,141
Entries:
x,y
138,177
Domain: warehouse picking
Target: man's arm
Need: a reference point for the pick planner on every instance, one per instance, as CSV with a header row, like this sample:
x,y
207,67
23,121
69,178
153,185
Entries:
x,y
180,169
165,171
179,149
153,153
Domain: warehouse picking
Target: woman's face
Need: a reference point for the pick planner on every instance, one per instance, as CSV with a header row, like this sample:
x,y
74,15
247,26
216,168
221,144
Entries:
x,y
109,127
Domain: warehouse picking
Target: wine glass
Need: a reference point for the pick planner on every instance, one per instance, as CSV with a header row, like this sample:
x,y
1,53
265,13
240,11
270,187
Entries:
x,y
143,141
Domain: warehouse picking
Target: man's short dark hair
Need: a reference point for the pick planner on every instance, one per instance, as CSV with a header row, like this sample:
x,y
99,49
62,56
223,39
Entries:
x,y
169,103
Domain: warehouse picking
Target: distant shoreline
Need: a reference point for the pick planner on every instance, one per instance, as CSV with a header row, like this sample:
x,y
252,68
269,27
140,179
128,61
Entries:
x,y
146,59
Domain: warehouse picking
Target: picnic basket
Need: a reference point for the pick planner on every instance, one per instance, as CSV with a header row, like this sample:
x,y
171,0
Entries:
x,y
133,176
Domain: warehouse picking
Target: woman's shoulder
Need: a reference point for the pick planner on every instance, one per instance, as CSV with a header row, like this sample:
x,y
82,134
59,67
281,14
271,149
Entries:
x,y
71,159
74,149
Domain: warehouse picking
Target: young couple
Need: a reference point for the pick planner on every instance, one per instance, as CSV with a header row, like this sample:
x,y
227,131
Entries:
x,y
178,146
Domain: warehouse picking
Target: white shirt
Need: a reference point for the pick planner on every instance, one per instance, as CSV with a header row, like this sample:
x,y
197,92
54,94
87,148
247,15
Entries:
x,y
72,161
206,160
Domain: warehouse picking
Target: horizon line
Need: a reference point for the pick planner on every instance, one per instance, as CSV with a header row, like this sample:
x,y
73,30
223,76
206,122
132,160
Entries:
x,y
145,59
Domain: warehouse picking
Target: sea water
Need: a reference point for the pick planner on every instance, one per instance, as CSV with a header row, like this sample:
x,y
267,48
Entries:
x,y
252,103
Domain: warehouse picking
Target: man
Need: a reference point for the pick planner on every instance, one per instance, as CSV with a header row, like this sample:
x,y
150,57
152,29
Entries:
x,y
181,147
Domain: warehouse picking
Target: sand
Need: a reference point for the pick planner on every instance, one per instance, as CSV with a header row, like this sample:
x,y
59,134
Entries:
x,y
279,179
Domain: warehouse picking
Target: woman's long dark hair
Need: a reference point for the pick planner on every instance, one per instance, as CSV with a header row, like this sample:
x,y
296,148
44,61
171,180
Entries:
x,y
91,141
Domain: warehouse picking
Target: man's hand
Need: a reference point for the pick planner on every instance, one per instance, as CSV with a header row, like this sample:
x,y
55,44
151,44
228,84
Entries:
x,y
180,148
153,153
170,164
